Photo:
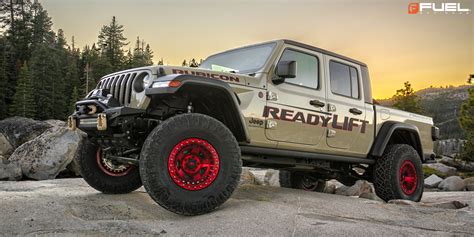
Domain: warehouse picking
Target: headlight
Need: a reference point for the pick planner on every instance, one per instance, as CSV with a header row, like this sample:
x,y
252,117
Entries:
x,y
147,81
141,82
160,84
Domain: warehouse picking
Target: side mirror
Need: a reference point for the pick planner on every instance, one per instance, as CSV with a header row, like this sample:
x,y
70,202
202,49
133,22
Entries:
x,y
286,69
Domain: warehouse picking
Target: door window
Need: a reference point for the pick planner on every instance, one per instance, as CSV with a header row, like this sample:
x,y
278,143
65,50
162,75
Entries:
x,y
344,79
307,68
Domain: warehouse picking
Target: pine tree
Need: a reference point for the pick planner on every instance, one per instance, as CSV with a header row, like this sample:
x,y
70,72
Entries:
x,y
72,72
61,73
93,66
16,21
184,64
142,55
99,67
74,98
60,97
129,59
3,78
23,100
193,63
83,67
467,123
138,53
41,23
44,67
160,62
406,99
148,56
111,40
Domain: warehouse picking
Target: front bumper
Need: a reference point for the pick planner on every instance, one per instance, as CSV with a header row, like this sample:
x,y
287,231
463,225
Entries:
x,y
97,122
99,115
101,121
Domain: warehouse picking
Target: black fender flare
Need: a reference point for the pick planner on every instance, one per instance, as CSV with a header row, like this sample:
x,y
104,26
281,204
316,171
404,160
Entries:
x,y
190,80
386,132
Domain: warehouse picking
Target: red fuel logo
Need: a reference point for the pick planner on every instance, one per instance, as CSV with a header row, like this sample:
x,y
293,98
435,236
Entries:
x,y
413,8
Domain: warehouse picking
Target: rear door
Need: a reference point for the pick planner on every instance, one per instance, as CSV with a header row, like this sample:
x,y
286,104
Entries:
x,y
345,102
294,107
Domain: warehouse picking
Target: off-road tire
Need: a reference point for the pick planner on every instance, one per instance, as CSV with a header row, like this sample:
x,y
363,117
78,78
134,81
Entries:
x,y
292,179
156,156
101,181
388,173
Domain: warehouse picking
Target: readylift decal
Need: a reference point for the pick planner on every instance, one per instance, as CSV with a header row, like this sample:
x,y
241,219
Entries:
x,y
208,75
313,119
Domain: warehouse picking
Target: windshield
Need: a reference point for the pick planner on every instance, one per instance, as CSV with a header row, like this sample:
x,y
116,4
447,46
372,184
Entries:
x,y
242,60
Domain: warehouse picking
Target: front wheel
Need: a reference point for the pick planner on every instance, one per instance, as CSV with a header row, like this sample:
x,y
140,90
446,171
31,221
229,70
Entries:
x,y
105,175
190,164
399,174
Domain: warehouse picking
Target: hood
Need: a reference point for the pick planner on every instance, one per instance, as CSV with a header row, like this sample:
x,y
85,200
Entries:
x,y
232,78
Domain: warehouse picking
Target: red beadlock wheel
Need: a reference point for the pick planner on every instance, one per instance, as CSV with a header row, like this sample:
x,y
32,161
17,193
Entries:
x,y
193,164
398,174
190,164
106,175
408,178
108,167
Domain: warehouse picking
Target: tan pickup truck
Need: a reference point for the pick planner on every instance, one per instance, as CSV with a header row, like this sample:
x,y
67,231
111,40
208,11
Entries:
x,y
184,133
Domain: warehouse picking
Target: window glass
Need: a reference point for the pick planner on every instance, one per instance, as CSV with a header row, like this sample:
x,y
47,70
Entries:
x,y
344,79
306,68
340,78
354,83
248,59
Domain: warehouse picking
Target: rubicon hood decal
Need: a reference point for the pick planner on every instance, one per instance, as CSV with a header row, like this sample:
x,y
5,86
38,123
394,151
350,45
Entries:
x,y
207,74
227,77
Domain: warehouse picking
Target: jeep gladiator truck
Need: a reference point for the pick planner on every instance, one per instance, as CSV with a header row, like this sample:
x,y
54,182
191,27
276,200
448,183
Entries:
x,y
184,133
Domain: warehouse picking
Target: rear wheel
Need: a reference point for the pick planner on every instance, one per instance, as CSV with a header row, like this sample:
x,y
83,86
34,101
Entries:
x,y
301,180
190,164
398,174
106,175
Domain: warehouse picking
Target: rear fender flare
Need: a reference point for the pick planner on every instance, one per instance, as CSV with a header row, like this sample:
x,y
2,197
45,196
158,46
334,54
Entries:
x,y
385,134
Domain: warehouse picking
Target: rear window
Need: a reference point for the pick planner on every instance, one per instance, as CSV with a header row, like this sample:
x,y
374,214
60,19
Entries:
x,y
344,79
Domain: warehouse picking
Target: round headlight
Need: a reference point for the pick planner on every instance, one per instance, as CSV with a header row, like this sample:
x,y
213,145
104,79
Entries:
x,y
147,81
141,82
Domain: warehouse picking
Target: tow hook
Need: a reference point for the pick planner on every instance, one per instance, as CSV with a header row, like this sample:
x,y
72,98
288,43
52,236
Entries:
x,y
71,123
102,122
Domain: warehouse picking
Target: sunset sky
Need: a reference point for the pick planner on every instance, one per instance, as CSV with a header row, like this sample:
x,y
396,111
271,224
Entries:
x,y
434,49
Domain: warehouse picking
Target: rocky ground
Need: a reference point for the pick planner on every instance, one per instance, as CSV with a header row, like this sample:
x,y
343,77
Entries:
x,y
70,206
45,150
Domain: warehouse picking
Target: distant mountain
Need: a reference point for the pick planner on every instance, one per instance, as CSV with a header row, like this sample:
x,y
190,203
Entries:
x,y
443,105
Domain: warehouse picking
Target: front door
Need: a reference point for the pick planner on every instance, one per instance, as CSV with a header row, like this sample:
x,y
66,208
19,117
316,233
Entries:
x,y
345,102
295,106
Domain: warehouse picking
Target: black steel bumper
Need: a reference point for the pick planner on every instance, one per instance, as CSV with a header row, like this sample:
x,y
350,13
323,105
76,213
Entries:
x,y
92,115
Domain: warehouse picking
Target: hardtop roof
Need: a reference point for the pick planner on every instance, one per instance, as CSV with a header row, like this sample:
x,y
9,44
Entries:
x,y
306,46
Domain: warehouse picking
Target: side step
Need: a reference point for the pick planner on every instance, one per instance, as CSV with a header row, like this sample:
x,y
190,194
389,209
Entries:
x,y
272,152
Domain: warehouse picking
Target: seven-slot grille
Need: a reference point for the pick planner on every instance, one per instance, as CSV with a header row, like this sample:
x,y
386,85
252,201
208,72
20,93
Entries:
x,y
120,86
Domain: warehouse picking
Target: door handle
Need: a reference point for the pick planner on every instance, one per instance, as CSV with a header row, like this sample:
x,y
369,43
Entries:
x,y
355,111
316,103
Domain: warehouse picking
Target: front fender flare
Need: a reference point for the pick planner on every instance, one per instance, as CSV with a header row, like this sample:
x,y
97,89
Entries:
x,y
191,80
